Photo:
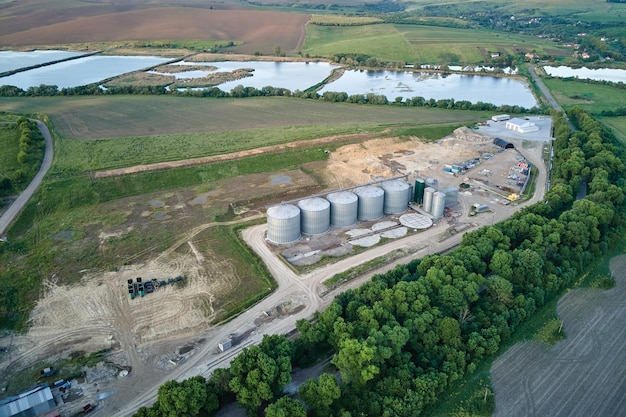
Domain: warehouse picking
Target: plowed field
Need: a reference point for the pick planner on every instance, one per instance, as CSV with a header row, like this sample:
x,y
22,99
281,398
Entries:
x,y
260,31
583,375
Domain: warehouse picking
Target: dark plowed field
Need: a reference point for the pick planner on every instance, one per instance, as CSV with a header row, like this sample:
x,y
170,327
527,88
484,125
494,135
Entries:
x,y
581,376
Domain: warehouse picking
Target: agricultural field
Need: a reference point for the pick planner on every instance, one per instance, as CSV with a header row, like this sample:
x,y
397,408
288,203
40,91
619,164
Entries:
x,y
592,97
252,30
581,375
618,124
421,44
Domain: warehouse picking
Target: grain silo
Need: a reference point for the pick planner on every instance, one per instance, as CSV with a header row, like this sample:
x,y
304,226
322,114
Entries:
x,y
439,203
452,195
420,185
314,216
371,202
427,204
343,208
397,194
283,223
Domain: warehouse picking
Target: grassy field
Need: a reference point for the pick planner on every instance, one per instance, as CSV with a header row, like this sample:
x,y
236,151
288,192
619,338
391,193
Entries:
x,y
618,124
415,43
592,97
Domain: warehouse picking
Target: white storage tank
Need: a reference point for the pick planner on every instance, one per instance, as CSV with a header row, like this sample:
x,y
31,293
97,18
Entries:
x,y
452,195
371,201
439,203
343,208
397,194
427,203
283,224
314,216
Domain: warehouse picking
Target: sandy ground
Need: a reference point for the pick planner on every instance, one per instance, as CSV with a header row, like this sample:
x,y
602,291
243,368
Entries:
x,y
146,335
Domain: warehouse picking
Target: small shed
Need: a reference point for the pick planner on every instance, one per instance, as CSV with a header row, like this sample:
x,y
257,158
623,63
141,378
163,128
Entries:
x,y
503,143
500,117
225,344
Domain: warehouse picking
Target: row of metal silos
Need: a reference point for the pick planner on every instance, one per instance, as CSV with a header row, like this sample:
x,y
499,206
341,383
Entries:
x,y
314,216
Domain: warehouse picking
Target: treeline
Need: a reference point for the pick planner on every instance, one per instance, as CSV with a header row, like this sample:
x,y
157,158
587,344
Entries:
x,y
268,91
29,156
399,341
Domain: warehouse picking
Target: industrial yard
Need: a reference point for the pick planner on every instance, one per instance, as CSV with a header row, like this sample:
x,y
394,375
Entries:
x,y
150,333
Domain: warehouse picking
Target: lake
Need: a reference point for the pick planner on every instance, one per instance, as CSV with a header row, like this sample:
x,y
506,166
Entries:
x,y
598,74
81,71
12,60
290,75
407,84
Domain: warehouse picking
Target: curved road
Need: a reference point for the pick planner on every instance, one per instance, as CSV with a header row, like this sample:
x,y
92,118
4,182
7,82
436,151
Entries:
x,y
16,207
290,285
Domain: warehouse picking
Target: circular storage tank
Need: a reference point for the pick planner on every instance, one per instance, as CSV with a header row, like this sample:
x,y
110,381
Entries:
x,y
314,216
397,194
371,201
343,208
283,223
439,203
427,205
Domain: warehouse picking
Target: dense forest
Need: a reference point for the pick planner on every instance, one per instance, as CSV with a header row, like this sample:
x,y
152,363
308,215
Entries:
x,y
398,342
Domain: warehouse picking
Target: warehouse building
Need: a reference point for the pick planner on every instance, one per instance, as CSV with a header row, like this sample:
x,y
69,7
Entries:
x,y
31,403
521,126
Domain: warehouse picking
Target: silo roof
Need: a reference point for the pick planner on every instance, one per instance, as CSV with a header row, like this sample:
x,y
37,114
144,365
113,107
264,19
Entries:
x,y
395,185
342,197
283,211
369,191
314,204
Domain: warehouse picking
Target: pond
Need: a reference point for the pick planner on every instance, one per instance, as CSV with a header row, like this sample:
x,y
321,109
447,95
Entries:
x,y
408,84
599,74
290,75
81,71
12,60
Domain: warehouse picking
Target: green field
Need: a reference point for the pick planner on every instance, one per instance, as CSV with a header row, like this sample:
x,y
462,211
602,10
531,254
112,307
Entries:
x,y
191,127
9,143
592,97
618,124
422,44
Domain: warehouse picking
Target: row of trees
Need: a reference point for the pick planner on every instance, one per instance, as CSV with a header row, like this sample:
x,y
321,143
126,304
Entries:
x,y
400,341
29,156
240,91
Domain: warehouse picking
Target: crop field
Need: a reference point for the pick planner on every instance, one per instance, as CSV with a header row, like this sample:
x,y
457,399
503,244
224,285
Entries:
x,y
592,97
258,31
582,375
423,44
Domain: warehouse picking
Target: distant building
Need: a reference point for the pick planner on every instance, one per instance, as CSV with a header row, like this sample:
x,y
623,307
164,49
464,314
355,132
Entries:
x,y
29,403
521,126
225,344
500,117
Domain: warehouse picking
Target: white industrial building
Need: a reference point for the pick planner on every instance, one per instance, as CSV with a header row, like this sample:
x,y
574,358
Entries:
x,y
521,126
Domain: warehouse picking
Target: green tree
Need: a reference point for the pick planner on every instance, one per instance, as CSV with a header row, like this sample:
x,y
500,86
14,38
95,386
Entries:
x,y
285,407
354,360
320,394
185,398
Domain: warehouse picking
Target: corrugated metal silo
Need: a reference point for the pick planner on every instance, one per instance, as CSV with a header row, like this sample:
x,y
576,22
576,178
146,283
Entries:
x,y
343,208
427,203
452,195
283,223
397,194
439,203
314,215
371,202
420,185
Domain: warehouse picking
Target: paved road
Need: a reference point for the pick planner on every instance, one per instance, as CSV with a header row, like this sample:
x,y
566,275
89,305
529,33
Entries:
x,y
547,94
14,209
290,286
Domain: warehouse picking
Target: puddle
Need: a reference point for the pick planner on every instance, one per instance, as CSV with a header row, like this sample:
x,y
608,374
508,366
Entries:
x,y
156,203
200,200
161,216
280,180
64,235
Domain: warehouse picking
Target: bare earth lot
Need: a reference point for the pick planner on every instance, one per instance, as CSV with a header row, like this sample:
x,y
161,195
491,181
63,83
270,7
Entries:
x,y
582,375
174,231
